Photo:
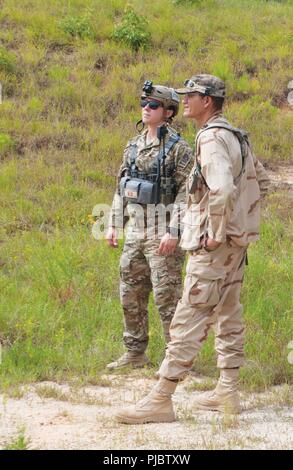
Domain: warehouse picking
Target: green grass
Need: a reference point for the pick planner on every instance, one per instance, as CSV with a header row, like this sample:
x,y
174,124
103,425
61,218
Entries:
x,y
61,316
20,442
70,103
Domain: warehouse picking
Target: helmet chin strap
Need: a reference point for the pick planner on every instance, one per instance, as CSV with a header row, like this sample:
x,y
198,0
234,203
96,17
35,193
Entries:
x,y
168,120
139,126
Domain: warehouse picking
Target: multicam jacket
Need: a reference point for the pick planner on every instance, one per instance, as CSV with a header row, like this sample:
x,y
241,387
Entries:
x,y
223,201
178,163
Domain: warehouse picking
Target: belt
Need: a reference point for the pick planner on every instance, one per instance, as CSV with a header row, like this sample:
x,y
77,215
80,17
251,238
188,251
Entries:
x,y
194,252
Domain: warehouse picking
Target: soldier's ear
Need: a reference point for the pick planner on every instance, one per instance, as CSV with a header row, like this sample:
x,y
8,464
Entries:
x,y
169,113
208,100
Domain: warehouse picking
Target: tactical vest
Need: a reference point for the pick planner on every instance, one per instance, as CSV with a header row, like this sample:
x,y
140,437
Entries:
x,y
243,225
150,187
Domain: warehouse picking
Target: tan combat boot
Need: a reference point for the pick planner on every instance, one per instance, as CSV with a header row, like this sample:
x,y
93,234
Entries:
x,y
225,397
130,358
156,407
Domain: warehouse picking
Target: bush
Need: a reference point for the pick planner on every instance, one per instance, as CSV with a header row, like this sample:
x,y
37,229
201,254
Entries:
x,y
132,31
78,26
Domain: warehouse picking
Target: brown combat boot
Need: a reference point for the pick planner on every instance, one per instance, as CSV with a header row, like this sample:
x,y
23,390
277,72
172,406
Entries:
x,y
225,397
156,407
130,358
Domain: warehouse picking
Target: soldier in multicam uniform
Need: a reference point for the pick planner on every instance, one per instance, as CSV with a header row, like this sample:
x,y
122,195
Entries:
x,y
142,269
221,219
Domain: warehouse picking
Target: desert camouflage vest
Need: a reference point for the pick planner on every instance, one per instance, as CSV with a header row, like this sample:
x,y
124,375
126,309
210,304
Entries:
x,y
243,226
242,137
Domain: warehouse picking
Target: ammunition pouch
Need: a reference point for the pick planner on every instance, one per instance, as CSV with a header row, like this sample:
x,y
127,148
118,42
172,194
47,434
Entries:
x,y
139,191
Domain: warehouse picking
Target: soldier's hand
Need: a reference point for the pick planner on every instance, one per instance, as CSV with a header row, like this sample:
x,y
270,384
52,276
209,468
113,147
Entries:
x,y
168,245
111,237
210,244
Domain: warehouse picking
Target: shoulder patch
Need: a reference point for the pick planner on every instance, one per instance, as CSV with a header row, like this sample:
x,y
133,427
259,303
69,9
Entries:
x,y
184,160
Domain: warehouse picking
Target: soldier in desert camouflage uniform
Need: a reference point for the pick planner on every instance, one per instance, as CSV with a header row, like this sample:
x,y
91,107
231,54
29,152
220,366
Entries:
x,y
142,269
222,218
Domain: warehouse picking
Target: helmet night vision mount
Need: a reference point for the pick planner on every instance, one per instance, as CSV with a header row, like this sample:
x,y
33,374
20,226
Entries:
x,y
148,87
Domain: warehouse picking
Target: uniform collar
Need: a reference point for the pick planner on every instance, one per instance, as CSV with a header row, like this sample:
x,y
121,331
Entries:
x,y
155,142
217,117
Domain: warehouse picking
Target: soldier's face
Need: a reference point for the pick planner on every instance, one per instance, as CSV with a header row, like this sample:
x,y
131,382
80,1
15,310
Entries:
x,y
152,117
193,105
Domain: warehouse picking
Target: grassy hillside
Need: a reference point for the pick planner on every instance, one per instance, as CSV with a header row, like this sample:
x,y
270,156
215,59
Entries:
x,y
72,74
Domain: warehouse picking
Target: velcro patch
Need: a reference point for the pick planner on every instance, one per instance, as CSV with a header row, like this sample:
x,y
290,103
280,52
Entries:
x,y
184,161
132,194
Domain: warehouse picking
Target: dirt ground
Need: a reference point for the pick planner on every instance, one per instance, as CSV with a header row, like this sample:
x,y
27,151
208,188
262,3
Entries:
x,y
59,416
281,176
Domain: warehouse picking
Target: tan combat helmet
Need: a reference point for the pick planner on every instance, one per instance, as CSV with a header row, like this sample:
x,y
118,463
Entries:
x,y
165,95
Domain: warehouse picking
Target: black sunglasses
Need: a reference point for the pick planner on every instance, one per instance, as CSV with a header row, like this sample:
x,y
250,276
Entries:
x,y
151,104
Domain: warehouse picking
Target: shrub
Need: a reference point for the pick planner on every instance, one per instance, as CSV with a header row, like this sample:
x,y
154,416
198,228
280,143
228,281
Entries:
x,y
78,26
132,31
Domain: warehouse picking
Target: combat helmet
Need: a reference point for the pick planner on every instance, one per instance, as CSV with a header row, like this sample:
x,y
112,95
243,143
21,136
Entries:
x,y
167,96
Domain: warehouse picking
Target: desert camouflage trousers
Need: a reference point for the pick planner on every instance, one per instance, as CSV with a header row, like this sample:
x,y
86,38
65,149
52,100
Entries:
x,y
141,271
211,298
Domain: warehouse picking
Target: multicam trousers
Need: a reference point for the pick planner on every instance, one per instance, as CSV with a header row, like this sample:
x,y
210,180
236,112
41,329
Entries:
x,y
210,299
141,271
